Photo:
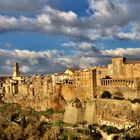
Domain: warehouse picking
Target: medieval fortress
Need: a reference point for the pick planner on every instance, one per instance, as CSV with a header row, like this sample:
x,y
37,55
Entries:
x,y
97,95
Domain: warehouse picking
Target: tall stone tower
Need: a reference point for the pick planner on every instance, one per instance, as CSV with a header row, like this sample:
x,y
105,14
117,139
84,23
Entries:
x,y
16,72
118,67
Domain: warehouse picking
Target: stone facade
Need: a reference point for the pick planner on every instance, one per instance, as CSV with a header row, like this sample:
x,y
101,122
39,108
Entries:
x,y
113,112
85,83
121,68
74,112
82,85
121,76
36,92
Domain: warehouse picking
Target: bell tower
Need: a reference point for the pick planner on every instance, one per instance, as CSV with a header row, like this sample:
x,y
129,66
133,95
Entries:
x,y
16,72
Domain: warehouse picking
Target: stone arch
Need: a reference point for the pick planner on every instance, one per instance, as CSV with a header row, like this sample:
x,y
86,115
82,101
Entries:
x,y
106,94
77,103
118,95
115,137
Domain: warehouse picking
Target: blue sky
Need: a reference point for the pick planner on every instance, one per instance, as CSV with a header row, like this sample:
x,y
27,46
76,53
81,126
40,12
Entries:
x,y
47,36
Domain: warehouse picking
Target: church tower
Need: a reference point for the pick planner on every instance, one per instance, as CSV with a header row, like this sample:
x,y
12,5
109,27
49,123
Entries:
x,y
16,72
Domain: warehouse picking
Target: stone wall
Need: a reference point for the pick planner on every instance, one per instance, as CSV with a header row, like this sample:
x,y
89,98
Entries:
x,y
136,112
103,112
74,112
128,93
68,92
70,115
90,112
113,112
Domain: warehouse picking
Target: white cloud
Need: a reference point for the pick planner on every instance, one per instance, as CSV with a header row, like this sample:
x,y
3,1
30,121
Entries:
x,y
25,69
133,34
102,7
27,6
130,52
82,47
7,23
108,18
128,35
31,61
49,61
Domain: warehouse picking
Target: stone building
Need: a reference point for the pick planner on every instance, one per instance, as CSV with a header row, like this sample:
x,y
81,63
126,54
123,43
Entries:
x,y
102,72
121,79
85,83
60,78
16,72
123,76
35,91
81,85
122,68
70,71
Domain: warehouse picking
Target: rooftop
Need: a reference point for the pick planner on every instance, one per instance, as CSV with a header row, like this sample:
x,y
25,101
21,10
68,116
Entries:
x,y
132,62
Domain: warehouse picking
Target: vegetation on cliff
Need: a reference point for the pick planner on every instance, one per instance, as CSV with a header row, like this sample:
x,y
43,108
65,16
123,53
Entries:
x,y
19,124
136,100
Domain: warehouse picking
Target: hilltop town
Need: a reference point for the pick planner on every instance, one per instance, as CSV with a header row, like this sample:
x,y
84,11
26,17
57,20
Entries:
x,y
108,95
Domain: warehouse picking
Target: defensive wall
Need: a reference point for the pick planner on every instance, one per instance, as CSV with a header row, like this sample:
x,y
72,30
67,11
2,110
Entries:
x,y
113,112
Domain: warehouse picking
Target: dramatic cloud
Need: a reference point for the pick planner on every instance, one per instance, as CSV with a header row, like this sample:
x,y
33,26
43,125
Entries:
x,y
133,34
83,47
107,20
50,61
83,55
51,21
27,6
88,55
114,16
31,61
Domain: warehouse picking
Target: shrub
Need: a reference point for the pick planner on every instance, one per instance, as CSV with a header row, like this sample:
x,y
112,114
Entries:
x,y
136,100
4,106
109,129
49,111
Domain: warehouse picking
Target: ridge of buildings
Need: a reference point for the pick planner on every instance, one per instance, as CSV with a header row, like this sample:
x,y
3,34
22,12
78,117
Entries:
x,y
80,92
